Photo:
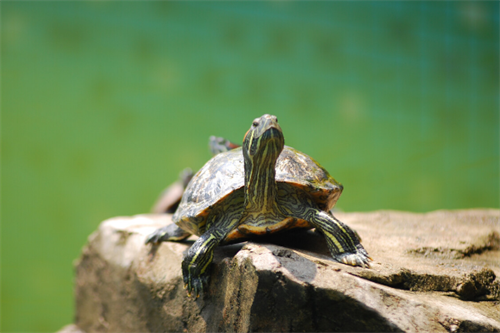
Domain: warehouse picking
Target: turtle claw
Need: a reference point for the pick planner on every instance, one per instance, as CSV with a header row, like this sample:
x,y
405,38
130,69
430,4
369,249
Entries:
x,y
358,258
156,236
169,232
194,282
195,285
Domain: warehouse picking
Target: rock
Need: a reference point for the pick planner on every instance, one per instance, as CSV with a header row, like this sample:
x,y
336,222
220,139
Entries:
x,y
72,328
426,270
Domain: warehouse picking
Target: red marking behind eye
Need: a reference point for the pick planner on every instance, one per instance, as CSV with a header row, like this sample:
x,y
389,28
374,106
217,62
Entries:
x,y
246,135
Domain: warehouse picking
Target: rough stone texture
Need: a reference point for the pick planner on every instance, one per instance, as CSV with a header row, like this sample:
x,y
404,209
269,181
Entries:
x,y
72,328
431,272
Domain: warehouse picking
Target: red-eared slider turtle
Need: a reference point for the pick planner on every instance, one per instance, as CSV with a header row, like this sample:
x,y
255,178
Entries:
x,y
261,188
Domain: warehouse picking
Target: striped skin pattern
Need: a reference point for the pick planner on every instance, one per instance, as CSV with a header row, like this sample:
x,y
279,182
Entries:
x,y
260,188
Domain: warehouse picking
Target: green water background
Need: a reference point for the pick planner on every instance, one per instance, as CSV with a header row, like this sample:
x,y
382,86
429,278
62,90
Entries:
x,y
104,103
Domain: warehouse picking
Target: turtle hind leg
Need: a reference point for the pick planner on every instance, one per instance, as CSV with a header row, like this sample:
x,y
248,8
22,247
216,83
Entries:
x,y
170,232
219,145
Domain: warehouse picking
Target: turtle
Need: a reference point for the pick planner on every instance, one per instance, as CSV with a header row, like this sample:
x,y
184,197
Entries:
x,y
257,189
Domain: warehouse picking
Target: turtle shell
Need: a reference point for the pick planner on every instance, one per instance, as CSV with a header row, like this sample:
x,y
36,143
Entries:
x,y
224,175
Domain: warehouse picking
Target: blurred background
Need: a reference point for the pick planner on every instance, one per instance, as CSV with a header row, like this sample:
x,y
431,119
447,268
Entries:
x,y
104,103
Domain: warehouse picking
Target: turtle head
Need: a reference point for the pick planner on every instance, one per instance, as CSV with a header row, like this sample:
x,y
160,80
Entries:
x,y
264,139
262,145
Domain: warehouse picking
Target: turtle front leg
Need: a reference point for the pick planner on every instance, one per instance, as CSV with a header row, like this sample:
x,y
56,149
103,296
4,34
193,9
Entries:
x,y
170,232
343,242
221,220
196,264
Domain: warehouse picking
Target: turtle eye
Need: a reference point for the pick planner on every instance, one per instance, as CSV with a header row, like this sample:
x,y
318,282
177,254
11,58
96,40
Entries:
x,y
255,123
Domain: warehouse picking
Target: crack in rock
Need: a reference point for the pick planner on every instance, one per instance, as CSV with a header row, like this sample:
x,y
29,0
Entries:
x,y
473,286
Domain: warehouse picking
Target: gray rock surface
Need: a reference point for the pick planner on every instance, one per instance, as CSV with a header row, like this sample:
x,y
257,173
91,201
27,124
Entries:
x,y
433,272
